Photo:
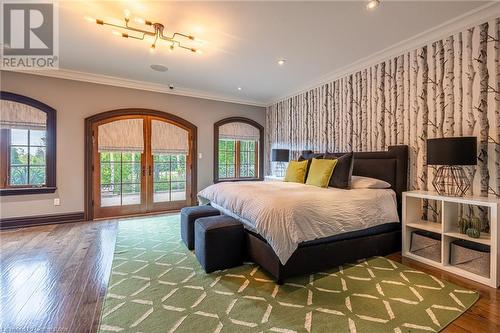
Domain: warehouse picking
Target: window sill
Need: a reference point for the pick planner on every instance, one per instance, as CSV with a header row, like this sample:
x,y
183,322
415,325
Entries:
x,y
26,190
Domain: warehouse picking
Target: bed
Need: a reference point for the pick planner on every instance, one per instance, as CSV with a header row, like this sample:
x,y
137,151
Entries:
x,y
288,226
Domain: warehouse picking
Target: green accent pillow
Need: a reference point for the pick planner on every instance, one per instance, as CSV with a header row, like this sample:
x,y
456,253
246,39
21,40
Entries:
x,y
320,172
296,172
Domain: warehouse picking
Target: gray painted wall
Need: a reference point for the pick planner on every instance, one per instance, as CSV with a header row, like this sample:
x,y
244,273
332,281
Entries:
x,y
74,101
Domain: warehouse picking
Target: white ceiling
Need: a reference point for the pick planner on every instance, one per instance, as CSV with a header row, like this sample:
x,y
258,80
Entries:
x,y
244,40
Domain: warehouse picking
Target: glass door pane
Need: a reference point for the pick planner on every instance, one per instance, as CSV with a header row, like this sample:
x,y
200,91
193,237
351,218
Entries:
x,y
169,177
120,178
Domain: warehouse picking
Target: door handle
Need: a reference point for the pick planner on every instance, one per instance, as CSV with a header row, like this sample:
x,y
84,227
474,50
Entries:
x,y
150,170
143,171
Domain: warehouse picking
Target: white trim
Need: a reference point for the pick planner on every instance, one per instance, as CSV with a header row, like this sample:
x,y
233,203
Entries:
x,y
134,84
460,23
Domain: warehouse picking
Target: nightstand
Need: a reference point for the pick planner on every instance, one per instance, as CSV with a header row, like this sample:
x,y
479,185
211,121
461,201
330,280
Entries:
x,y
446,231
273,179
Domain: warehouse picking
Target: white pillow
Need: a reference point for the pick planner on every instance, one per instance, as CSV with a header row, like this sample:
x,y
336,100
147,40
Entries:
x,y
358,182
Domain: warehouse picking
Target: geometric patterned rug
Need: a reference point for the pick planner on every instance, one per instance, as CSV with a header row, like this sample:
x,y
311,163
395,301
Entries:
x,y
156,285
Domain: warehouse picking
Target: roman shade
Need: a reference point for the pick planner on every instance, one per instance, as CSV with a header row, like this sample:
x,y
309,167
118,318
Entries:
x,y
167,138
239,131
121,135
21,116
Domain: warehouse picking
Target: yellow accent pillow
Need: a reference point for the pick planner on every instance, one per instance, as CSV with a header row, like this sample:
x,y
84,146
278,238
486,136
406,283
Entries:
x,y
296,172
320,172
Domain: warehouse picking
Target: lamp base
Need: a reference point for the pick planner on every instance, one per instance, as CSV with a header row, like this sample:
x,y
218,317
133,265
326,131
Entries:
x,y
280,169
451,181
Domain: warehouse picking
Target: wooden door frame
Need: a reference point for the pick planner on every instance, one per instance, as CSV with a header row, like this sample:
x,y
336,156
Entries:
x,y
173,119
115,210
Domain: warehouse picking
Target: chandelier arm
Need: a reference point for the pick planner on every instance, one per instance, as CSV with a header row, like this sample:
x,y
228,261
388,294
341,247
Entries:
x,y
145,32
183,35
139,38
168,39
187,48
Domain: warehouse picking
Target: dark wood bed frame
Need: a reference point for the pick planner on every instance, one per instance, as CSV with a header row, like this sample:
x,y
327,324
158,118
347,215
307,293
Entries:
x,y
314,256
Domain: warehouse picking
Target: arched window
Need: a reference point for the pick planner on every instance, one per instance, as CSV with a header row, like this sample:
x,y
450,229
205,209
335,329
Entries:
x,y
28,146
238,150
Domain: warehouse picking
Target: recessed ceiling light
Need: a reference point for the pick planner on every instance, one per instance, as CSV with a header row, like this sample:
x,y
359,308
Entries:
x,y
281,62
372,4
159,68
239,88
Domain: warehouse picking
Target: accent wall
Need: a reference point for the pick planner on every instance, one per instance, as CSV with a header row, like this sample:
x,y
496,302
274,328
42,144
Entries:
x,y
447,88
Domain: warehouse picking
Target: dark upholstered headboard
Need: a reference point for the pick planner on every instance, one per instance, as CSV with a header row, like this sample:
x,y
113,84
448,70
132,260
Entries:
x,y
390,166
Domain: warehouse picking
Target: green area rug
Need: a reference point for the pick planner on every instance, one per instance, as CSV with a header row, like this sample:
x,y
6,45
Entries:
x,y
156,285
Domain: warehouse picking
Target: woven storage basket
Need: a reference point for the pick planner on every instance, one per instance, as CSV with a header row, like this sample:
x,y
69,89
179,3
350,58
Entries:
x,y
426,244
470,256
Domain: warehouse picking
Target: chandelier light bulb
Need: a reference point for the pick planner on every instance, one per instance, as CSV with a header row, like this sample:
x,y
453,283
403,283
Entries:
x,y
90,19
152,48
373,4
116,33
126,12
140,20
196,39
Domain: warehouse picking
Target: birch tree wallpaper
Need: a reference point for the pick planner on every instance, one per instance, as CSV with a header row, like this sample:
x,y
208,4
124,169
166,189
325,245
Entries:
x,y
450,87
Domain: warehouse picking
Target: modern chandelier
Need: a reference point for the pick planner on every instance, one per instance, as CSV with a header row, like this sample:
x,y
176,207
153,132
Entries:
x,y
155,30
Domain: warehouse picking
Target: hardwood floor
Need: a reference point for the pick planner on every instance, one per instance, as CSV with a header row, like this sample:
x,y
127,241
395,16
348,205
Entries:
x,y
54,278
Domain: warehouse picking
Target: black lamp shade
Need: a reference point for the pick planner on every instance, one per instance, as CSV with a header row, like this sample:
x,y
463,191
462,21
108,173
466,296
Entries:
x,y
280,155
452,151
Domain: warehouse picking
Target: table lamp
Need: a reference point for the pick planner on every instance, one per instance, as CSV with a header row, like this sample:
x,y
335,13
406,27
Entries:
x,y
281,156
451,154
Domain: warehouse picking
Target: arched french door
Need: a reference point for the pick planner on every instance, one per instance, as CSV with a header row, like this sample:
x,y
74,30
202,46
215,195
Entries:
x,y
139,161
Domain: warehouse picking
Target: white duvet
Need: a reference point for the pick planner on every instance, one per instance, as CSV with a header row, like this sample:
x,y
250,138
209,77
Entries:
x,y
286,214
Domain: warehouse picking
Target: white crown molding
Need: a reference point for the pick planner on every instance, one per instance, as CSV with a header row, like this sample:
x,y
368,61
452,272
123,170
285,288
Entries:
x,y
134,84
474,17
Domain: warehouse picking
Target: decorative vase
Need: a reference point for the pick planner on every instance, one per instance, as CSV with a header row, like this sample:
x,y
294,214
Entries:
x,y
463,225
475,223
473,233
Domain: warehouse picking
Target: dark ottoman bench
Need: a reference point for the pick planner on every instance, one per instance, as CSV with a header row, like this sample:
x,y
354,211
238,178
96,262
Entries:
x,y
189,216
220,242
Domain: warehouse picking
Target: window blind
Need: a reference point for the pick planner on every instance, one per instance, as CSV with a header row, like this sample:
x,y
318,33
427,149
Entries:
x,y
239,131
167,138
21,116
121,135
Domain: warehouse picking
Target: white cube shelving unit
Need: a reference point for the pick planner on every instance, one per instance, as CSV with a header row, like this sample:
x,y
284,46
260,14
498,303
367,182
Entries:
x,y
447,227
